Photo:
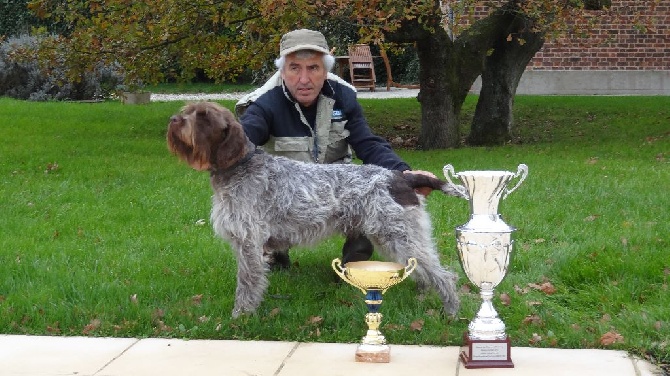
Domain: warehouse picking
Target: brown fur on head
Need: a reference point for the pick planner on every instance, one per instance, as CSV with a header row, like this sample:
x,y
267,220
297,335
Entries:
x,y
206,136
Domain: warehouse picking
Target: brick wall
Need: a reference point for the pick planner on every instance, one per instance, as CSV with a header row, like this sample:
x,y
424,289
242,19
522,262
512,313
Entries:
x,y
611,45
617,46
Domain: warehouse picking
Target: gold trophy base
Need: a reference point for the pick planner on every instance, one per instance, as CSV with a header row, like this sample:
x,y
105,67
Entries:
x,y
373,353
486,353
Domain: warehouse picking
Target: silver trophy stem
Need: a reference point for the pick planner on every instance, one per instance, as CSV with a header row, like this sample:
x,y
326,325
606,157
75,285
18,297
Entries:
x,y
487,325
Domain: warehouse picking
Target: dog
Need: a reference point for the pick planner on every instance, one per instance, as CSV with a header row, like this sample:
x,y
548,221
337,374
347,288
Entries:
x,y
264,204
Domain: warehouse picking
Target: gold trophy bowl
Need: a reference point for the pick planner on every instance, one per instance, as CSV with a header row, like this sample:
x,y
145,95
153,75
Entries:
x,y
373,278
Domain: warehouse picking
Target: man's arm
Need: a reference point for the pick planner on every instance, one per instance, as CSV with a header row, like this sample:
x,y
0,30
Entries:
x,y
255,124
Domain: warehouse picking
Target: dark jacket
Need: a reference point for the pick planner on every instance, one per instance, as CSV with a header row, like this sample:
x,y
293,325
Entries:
x,y
272,118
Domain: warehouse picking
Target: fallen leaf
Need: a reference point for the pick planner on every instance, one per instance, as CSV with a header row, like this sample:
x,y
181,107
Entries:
x,y
162,327
275,311
157,314
520,290
591,217
133,298
315,320
547,288
416,325
535,339
51,167
53,329
92,326
610,338
196,299
505,299
532,319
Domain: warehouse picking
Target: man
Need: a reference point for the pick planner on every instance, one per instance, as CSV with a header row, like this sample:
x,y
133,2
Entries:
x,y
305,113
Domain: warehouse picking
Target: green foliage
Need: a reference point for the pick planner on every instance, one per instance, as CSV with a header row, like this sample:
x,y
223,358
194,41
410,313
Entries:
x,y
104,233
155,41
24,76
15,18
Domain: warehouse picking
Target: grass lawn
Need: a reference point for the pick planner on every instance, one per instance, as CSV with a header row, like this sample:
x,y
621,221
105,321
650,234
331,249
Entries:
x,y
104,233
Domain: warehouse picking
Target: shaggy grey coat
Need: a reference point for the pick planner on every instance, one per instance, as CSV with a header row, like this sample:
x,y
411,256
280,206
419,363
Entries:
x,y
264,204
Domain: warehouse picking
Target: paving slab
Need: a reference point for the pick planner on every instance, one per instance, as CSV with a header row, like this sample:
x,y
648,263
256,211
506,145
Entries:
x,y
42,356
561,362
333,359
167,357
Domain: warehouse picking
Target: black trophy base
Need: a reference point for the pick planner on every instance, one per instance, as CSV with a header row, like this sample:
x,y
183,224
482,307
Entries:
x,y
486,353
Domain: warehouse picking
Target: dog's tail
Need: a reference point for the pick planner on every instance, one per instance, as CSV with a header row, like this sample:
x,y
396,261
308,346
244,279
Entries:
x,y
418,181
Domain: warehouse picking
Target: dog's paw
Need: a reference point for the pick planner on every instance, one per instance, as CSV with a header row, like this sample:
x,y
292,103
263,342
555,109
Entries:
x,y
239,312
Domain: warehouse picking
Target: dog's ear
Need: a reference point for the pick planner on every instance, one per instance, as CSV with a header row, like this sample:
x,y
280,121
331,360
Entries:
x,y
233,145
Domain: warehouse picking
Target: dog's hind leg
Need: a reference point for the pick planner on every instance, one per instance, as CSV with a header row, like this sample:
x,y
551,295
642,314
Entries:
x,y
430,272
410,237
252,279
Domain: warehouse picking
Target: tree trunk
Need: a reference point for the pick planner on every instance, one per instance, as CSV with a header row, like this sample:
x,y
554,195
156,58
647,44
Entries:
x,y
439,114
493,119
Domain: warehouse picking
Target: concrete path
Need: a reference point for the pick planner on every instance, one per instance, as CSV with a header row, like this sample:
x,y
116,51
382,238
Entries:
x,y
379,93
85,356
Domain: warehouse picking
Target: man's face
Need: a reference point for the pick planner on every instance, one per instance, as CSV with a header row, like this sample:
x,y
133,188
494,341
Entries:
x,y
304,77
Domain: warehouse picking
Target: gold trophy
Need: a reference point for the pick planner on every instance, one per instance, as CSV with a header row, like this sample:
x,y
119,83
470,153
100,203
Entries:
x,y
373,278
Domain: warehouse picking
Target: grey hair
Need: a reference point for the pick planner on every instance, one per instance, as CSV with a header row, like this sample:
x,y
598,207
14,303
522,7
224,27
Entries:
x,y
328,59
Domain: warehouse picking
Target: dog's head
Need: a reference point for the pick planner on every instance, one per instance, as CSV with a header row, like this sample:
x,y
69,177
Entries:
x,y
206,136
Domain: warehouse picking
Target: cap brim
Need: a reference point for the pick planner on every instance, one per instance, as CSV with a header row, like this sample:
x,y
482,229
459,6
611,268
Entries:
x,y
304,47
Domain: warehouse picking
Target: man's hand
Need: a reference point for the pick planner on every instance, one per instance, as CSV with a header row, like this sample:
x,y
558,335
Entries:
x,y
424,191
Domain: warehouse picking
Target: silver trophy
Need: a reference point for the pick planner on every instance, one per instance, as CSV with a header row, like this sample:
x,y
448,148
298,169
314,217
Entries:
x,y
485,247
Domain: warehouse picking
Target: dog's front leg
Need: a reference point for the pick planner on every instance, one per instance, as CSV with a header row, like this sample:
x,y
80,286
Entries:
x,y
251,279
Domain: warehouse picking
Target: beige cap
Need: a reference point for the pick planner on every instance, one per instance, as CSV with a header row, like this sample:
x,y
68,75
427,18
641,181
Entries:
x,y
302,39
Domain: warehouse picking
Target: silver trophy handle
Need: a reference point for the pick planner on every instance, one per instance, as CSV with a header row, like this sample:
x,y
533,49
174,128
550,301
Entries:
x,y
448,171
521,173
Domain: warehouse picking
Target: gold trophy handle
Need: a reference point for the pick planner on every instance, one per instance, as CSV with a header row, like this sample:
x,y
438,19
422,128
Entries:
x,y
337,267
411,265
521,173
